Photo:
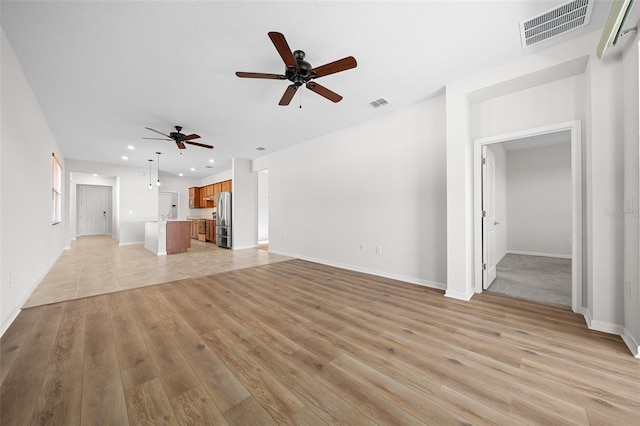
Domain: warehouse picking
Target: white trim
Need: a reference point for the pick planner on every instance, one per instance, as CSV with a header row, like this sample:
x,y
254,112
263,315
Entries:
x,y
596,325
458,295
631,343
531,253
131,243
411,280
576,182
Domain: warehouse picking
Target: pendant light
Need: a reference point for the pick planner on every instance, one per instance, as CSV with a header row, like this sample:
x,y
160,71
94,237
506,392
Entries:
x,y
158,181
150,187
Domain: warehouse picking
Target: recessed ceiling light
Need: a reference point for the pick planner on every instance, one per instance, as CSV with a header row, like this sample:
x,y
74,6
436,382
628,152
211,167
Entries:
x,y
193,169
95,174
180,174
131,147
211,160
260,148
124,157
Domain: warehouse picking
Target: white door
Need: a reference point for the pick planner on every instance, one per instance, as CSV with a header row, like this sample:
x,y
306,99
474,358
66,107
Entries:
x,y
94,204
164,206
489,221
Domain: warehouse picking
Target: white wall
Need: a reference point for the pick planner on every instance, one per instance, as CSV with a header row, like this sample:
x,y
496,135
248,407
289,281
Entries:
x,y
631,207
179,185
380,183
29,243
244,201
263,205
500,198
539,200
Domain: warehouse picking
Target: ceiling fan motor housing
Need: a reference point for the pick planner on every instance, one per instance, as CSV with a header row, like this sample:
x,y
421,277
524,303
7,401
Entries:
x,y
304,72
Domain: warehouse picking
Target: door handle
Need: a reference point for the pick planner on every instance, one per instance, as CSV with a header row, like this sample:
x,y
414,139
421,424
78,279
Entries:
x,y
496,223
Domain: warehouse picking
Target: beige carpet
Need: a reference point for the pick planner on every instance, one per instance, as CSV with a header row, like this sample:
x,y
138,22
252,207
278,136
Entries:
x,y
98,265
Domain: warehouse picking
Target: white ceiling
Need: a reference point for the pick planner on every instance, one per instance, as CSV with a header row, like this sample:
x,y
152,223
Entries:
x,y
103,70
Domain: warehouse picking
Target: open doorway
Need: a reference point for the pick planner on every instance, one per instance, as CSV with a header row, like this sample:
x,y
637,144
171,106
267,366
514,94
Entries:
x,y
167,205
263,209
527,227
528,230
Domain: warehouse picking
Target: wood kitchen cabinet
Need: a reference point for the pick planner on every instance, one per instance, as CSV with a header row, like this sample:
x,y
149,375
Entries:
x,y
195,198
225,186
194,229
210,230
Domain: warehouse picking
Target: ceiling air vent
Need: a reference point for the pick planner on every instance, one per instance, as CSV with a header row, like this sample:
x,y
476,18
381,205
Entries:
x,y
378,103
566,17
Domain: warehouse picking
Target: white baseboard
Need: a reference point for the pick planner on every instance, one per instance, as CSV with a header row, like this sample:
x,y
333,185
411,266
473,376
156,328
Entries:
x,y
17,308
605,327
411,280
131,243
458,295
631,343
532,253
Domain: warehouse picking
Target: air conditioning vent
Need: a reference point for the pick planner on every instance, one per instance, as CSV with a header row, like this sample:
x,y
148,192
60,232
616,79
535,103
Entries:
x,y
378,103
566,17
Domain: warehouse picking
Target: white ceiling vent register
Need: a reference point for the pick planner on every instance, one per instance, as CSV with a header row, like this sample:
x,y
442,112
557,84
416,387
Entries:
x,y
379,102
566,17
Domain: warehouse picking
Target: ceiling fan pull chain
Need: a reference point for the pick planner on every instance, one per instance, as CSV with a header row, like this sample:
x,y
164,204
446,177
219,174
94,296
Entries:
x,y
301,98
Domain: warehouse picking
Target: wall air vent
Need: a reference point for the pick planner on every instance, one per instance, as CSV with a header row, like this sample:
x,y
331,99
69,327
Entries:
x,y
566,17
378,103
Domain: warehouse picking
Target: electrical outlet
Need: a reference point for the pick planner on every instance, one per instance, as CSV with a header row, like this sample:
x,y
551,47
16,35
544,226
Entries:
x,y
378,249
282,237
628,204
567,240
9,278
362,247
627,286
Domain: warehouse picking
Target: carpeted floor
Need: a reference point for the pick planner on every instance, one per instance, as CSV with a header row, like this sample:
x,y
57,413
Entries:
x,y
534,278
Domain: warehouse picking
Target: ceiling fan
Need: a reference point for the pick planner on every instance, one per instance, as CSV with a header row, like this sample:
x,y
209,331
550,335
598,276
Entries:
x,y
179,138
300,72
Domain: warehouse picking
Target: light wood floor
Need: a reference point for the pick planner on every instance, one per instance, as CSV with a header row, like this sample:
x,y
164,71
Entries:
x,y
300,343
98,265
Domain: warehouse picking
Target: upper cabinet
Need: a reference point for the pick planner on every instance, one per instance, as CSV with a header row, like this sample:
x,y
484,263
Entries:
x,y
207,196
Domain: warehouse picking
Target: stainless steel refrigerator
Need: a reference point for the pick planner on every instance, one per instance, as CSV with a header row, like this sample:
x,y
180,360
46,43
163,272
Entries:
x,y
223,220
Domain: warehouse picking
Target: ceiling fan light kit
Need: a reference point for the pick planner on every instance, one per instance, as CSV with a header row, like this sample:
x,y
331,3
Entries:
x,y
299,72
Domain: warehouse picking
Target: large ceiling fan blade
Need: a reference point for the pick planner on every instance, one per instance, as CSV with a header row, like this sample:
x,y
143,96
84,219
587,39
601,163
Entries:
x,y
336,66
159,139
260,75
188,138
154,130
323,91
199,144
283,49
180,145
288,95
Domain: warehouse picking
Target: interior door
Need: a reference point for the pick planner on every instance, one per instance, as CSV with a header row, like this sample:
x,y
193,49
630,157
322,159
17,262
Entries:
x,y
489,221
164,206
94,204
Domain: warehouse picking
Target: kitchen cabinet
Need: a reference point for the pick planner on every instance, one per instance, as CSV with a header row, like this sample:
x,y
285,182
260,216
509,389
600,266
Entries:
x,y
194,229
225,186
195,198
210,230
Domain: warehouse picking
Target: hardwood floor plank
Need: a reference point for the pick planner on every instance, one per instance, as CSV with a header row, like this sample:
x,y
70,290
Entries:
x,y
279,402
14,338
248,412
148,404
195,407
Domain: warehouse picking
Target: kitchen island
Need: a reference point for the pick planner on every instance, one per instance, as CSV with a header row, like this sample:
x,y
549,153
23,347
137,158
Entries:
x,y
167,237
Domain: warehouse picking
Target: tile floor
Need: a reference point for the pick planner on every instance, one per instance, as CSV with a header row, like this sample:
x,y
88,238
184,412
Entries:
x,y
98,265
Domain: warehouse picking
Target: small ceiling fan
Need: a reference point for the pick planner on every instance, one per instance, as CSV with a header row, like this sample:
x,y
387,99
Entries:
x,y
300,72
179,138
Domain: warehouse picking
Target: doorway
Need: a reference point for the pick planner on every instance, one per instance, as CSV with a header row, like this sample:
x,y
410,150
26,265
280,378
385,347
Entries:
x,y
94,210
167,205
490,224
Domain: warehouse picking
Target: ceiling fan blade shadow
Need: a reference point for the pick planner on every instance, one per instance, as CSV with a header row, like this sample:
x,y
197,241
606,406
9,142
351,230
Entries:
x,y
154,130
283,49
199,144
336,66
323,91
159,139
188,138
288,95
260,75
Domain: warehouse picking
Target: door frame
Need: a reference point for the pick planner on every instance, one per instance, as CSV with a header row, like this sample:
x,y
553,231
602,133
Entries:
x,y
576,203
